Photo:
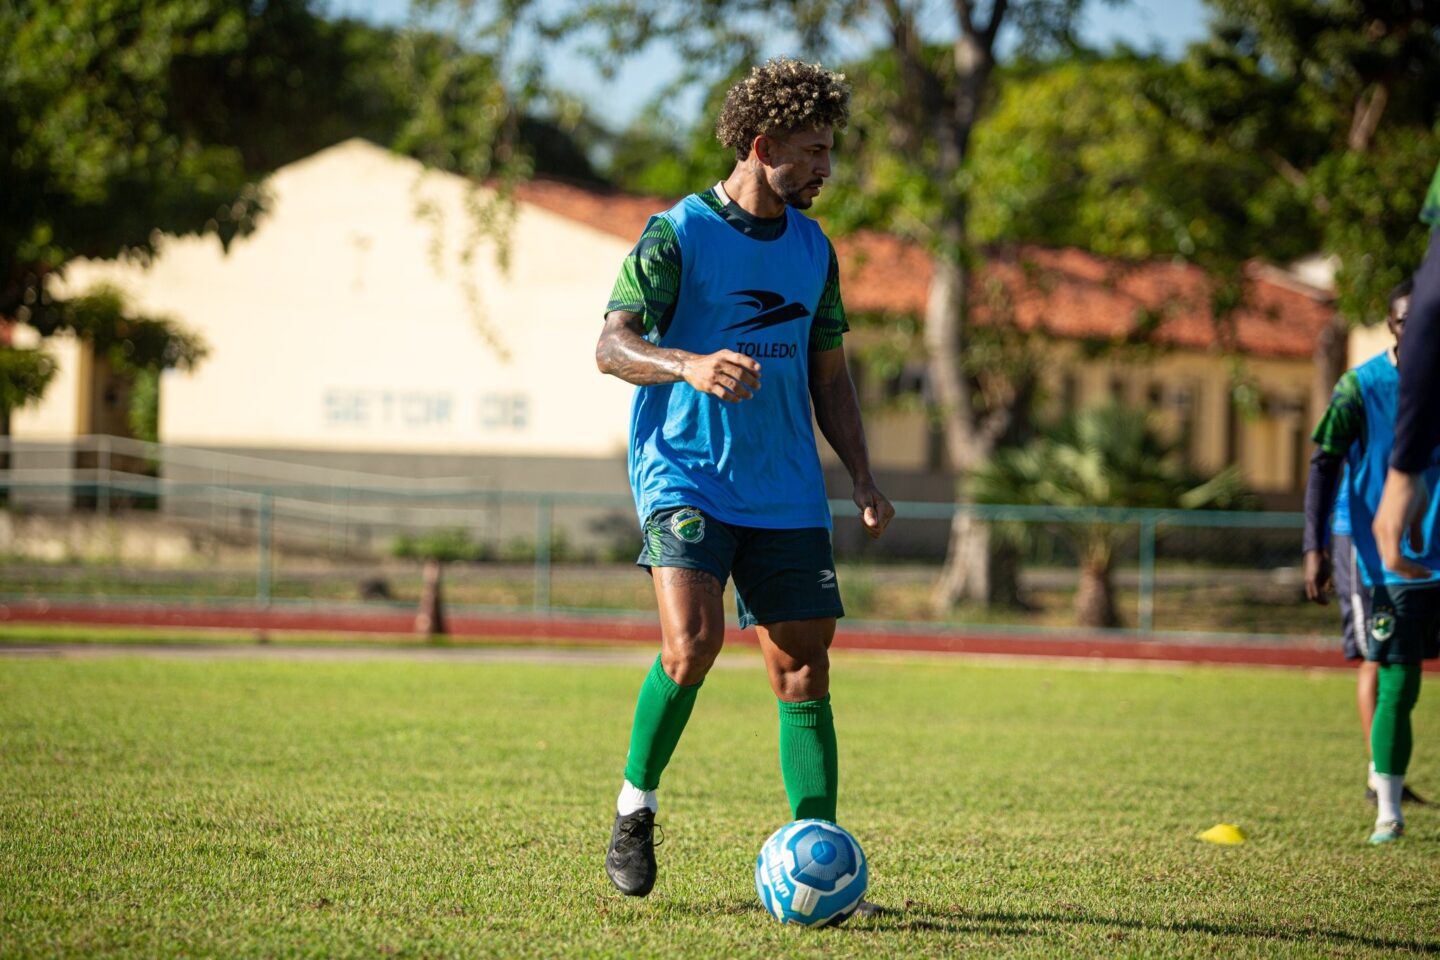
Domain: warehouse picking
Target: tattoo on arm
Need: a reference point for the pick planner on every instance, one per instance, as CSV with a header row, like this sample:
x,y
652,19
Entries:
x,y
624,352
682,578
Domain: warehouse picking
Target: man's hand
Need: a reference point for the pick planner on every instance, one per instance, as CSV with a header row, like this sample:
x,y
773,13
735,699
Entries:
x,y
725,374
1402,509
875,511
1317,576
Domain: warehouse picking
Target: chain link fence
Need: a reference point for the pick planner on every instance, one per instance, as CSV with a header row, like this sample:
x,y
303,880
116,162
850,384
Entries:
x,y
113,536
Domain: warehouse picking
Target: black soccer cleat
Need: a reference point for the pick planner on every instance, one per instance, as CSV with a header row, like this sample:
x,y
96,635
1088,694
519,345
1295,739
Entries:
x,y
630,861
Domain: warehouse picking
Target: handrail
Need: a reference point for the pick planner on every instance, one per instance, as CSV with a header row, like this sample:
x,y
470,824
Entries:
x,y
293,510
215,459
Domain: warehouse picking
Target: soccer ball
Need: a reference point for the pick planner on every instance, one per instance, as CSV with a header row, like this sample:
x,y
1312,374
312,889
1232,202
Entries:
x,y
811,872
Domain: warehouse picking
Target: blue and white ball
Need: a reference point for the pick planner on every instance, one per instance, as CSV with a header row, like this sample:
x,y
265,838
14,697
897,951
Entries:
x,y
811,872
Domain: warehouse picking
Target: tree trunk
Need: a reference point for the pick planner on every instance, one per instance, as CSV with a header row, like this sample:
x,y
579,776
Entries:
x,y
979,568
5,455
1331,359
974,571
1095,598
430,621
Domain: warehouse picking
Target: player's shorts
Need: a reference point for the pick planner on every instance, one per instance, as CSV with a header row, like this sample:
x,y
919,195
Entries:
x,y
1354,598
779,575
1405,623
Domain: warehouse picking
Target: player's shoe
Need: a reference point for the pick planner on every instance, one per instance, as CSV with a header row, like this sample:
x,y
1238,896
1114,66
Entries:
x,y
630,861
1387,832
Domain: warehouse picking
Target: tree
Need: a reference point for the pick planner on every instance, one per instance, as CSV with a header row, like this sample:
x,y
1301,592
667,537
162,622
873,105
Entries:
x,y
1364,77
126,121
93,162
919,108
1103,457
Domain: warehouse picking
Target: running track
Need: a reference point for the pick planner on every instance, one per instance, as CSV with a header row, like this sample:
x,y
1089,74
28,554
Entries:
x,y
539,630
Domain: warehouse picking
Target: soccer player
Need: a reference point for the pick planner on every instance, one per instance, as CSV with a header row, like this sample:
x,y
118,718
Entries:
x,y
1404,620
727,317
1340,428
1417,427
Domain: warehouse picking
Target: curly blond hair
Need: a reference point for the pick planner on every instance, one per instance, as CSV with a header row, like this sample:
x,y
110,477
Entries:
x,y
779,97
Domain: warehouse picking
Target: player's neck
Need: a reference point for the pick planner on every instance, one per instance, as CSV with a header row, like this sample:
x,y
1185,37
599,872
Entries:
x,y
748,188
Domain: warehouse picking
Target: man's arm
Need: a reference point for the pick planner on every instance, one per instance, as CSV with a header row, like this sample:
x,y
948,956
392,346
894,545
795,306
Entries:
x,y
1417,415
1340,427
624,352
837,411
1320,491
1417,423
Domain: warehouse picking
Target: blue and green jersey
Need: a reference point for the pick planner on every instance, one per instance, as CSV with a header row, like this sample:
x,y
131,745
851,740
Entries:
x,y
706,276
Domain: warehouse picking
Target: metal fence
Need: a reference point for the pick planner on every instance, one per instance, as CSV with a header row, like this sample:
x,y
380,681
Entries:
x,y
111,532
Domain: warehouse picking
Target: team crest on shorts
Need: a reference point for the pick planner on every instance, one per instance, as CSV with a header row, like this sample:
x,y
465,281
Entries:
x,y
688,524
1382,625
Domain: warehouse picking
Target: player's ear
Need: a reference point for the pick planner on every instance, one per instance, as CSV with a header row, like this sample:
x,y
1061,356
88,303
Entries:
x,y
760,149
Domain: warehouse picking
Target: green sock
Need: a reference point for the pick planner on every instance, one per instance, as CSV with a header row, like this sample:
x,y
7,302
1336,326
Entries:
x,y
661,713
809,759
1390,738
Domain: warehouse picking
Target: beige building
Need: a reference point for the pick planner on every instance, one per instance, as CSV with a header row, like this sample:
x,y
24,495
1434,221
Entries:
x,y
367,324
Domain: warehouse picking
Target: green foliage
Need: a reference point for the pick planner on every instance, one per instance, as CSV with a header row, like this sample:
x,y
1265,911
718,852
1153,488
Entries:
x,y
1096,154
144,412
1366,93
24,375
126,120
1103,457
1372,202
93,158
102,317
444,545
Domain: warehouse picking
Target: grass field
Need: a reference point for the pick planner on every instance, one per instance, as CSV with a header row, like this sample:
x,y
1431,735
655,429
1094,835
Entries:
x,y
268,808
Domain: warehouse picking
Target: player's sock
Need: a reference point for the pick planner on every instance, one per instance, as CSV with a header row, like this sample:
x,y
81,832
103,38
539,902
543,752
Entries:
x,y
661,713
1370,776
1388,788
1390,735
809,758
632,798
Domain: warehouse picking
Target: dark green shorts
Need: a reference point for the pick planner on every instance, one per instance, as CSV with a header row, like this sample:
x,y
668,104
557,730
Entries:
x,y
779,574
1404,623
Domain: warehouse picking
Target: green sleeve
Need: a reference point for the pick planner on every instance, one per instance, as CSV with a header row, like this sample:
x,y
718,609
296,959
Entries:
x,y
1430,213
830,326
649,281
1344,420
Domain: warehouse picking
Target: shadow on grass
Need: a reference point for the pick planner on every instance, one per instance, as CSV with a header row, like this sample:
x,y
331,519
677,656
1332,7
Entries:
x,y
923,918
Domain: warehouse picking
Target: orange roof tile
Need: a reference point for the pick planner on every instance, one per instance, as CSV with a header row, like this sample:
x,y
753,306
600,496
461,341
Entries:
x,y
1067,293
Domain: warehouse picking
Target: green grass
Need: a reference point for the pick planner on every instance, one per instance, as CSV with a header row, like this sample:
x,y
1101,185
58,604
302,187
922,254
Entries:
x,y
249,808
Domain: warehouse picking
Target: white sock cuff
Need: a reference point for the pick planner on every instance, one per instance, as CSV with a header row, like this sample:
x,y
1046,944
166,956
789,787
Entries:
x,y
632,798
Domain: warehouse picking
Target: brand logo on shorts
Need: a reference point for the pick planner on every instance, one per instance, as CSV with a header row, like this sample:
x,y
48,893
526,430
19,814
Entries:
x,y
1382,625
688,524
827,579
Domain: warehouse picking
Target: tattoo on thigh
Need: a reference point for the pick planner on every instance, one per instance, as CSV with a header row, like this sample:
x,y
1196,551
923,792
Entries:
x,y
680,577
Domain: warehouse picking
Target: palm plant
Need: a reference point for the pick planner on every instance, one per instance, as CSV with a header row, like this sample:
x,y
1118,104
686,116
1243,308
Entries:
x,y
1101,457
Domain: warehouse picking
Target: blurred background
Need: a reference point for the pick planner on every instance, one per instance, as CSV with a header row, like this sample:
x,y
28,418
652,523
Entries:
x,y
296,297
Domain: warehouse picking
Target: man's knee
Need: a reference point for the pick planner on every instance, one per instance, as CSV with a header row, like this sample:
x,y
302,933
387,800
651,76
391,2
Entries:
x,y
687,655
803,675
797,654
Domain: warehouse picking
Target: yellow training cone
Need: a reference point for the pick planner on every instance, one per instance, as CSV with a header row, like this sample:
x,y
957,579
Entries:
x,y
1226,833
